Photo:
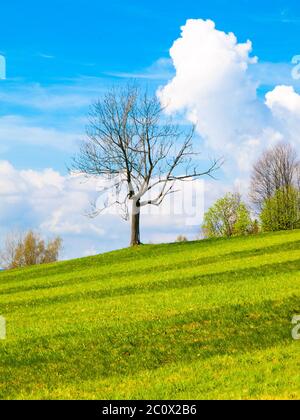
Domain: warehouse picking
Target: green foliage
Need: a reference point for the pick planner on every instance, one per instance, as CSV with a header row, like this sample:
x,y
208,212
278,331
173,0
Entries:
x,y
197,320
243,222
227,217
282,211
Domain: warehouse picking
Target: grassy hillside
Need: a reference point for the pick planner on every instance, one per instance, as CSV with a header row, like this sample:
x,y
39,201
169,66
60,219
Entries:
x,y
200,320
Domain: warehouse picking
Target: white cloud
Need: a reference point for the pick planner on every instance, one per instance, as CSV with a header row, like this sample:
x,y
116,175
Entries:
x,y
15,130
161,69
46,56
67,95
283,100
284,103
211,83
215,88
47,201
54,115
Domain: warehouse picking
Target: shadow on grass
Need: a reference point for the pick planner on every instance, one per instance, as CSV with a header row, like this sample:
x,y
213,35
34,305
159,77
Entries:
x,y
82,277
245,274
96,352
113,260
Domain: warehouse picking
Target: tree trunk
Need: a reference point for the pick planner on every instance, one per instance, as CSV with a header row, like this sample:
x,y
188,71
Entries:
x,y
135,224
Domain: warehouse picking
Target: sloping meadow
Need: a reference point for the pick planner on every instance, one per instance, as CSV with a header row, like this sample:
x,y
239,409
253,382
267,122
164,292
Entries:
x,y
196,320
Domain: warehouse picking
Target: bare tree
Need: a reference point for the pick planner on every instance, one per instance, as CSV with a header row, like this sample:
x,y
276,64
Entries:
x,y
277,169
22,250
8,253
181,238
131,143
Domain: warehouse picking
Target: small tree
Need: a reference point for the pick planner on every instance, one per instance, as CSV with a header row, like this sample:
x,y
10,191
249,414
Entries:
x,y
10,251
227,217
52,251
282,211
277,169
181,238
133,145
29,249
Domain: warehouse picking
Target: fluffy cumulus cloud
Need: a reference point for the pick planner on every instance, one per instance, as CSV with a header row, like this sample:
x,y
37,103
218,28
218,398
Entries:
x,y
284,103
283,100
215,89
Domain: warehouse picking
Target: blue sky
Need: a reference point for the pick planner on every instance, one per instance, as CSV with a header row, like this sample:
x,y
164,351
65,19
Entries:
x,y
95,37
62,43
61,55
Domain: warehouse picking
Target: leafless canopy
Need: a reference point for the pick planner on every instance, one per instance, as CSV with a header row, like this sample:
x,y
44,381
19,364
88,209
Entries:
x,y
278,168
26,249
131,143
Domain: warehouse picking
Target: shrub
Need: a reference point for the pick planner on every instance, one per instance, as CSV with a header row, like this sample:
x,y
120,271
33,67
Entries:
x,y
282,211
182,238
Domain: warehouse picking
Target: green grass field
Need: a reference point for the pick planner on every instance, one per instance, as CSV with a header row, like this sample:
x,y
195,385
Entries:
x,y
199,320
